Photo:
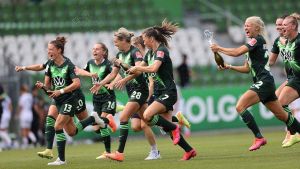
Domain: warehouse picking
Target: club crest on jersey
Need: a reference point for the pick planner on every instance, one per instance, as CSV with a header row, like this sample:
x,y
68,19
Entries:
x,y
252,42
59,81
138,54
160,54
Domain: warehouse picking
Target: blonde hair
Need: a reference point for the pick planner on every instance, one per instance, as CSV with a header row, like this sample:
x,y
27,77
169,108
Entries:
x,y
257,21
124,34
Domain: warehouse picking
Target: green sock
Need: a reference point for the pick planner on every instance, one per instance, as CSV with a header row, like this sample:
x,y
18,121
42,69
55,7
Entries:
x,y
123,136
293,124
250,122
160,121
290,117
61,144
50,131
174,119
105,134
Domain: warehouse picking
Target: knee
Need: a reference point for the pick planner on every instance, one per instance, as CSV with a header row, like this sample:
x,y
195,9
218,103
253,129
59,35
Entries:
x,y
136,128
147,117
124,118
240,108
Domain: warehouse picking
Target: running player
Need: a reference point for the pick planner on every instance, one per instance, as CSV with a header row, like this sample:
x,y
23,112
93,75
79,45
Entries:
x,y
137,124
165,94
263,89
278,49
81,112
105,101
136,85
290,91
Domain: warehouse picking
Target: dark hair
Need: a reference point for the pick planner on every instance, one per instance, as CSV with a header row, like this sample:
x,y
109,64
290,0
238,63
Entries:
x,y
124,34
103,46
139,41
59,43
162,33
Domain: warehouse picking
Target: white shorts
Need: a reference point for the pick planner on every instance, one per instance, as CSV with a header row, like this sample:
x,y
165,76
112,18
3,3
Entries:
x,y
26,120
5,120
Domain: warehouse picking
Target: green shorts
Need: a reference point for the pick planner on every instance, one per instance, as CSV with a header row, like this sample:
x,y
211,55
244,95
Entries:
x,y
138,95
265,91
80,103
107,105
294,83
167,98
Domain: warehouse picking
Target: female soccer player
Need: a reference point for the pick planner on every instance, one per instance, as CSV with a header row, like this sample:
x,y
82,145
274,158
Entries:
x,y
137,124
81,112
279,49
160,111
136,85
105,101
61,76
290,91
263,89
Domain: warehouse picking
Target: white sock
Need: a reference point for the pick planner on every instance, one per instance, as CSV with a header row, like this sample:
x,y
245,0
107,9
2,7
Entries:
x,y
25,141
32,137
153,147
5,137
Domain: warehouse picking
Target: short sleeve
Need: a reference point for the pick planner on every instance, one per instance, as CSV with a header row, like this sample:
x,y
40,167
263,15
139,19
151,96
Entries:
x,y
72,71
87,67
137,56
252,43
275,48
45,64
160,55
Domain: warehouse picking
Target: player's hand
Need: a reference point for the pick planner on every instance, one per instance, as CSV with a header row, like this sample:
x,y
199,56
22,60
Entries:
x,y
94,75
19,68
214,47
226,66
54,93
96,87
120,84
110,86
39,84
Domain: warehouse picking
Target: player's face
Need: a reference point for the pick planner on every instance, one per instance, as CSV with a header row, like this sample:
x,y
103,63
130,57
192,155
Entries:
x,y
120,44
53,52
98,51
250,29
279,26
287,27
147,41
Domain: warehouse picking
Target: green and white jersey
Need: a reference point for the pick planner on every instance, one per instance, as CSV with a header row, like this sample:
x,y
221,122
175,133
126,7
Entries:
x,y
61,76
279,48
102,70
163,78
258,59
292,54
129,58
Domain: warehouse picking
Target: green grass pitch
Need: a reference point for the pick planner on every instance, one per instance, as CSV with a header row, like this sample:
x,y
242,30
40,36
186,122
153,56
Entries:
x,y
215,151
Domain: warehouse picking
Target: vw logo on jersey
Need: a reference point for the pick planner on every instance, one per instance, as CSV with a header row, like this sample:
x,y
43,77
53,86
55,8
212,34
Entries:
x,y
286,55
59,81
152,74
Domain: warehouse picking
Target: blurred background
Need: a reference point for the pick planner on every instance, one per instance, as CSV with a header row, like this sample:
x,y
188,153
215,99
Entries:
x,y
208,95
